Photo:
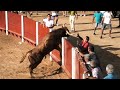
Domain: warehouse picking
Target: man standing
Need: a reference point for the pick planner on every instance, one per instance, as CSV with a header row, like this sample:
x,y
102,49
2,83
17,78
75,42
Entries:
x,y
48,22
107,22
55,17
98,18
110,72
73,15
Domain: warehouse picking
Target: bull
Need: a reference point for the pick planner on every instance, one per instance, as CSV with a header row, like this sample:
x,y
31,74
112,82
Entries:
x,y
50,42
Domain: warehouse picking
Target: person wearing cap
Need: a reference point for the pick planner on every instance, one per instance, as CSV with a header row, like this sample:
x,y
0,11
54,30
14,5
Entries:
x,y
110,72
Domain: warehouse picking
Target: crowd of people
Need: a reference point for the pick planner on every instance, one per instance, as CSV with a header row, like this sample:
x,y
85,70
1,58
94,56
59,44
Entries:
x,y
92,62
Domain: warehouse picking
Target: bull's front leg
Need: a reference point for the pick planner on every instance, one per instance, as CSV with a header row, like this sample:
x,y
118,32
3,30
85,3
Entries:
x,y
59,48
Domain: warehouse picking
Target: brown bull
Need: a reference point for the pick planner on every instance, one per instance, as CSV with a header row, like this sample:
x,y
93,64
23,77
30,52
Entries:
x,y
50,42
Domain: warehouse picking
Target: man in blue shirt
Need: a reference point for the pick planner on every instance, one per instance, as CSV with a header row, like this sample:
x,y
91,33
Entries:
x,y
98,20
110,72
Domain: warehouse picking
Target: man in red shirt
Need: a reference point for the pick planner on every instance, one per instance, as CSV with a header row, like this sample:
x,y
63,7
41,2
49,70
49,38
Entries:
x,y
83,45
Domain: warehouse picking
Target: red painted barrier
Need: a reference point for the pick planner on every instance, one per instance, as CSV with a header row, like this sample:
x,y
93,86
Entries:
x,y
2,20
14,23
42,31
80,67
56,53
68,58
30,30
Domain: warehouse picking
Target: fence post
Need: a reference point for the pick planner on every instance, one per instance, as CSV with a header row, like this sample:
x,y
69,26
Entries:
x,y
73,63
51,51
22,27
63,51
37,33
6,21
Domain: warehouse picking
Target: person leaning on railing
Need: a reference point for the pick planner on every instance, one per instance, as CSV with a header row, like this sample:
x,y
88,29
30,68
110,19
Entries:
x,y
48,22
83,44
96,72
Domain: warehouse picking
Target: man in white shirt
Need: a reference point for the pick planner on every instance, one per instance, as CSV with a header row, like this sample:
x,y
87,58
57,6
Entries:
x,y
48,22
107,22
102,12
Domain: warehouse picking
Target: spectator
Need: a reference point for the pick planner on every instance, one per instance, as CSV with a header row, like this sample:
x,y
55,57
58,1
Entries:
x,y
96,72
98,20
64,13
102,12
48,22
83,45
107,22
110,72
91,56
83,13
73,15
55,16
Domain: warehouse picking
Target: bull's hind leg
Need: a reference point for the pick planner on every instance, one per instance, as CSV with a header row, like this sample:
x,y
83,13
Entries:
x,y
33,64
32,61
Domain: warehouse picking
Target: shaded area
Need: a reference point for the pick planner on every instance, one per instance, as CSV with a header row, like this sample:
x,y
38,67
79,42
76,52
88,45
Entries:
x,y
106,57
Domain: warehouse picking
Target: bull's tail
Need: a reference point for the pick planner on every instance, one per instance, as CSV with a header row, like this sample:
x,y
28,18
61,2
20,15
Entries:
x,y
24,56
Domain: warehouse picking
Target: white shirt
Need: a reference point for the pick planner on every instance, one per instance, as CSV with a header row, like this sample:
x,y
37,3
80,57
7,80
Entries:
x,y
107,17
54,13
48,23
102,12
96,72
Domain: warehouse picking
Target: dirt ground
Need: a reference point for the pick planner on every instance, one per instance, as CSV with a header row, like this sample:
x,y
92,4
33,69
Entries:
x,y
107,49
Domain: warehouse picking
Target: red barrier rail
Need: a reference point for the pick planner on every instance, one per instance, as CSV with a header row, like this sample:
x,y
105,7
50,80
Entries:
x,y
68,58
42,31
2,20
30,30
14,23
